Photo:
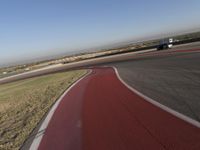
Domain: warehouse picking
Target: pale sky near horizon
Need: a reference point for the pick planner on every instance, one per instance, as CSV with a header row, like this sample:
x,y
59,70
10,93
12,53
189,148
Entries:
x,y
37,28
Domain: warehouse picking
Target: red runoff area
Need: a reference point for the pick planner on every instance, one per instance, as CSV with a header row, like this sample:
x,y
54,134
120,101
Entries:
x,y
114,118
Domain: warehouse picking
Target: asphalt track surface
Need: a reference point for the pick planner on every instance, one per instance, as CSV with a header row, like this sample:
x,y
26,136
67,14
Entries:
x,y
170,78
90,119
101,113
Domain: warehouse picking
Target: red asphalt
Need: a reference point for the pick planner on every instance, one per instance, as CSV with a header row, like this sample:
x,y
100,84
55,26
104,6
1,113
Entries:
x,y
101,113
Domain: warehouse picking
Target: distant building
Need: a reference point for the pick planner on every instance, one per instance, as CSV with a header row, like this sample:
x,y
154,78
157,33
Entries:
x,y
27,69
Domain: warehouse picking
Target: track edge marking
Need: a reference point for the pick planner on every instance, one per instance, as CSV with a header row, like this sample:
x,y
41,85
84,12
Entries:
x,y
163,107
39,135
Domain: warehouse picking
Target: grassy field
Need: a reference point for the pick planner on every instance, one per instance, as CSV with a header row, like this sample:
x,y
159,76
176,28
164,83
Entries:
x,y
24,103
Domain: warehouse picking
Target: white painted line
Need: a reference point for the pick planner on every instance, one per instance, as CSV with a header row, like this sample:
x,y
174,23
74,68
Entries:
x,y
38,137
167,109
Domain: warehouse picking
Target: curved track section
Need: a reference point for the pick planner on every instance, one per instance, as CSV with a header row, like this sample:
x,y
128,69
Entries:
x,y
170,78
101,113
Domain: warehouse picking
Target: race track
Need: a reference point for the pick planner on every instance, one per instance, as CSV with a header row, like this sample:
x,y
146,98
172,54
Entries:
x,y
100,112
172,79
151,102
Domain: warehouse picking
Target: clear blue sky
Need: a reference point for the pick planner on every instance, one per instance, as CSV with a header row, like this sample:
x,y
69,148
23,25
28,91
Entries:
x,y
37,28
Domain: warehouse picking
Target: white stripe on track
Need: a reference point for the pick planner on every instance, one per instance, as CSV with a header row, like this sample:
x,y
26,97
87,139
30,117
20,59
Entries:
x,y
165,108
38,137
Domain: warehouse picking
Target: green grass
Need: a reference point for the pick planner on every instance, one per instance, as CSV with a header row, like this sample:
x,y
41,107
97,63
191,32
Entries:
x,y
24,103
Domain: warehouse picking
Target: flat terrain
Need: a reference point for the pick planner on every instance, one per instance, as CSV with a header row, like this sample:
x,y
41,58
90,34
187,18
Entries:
x,y
24,103
92,62
170,77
